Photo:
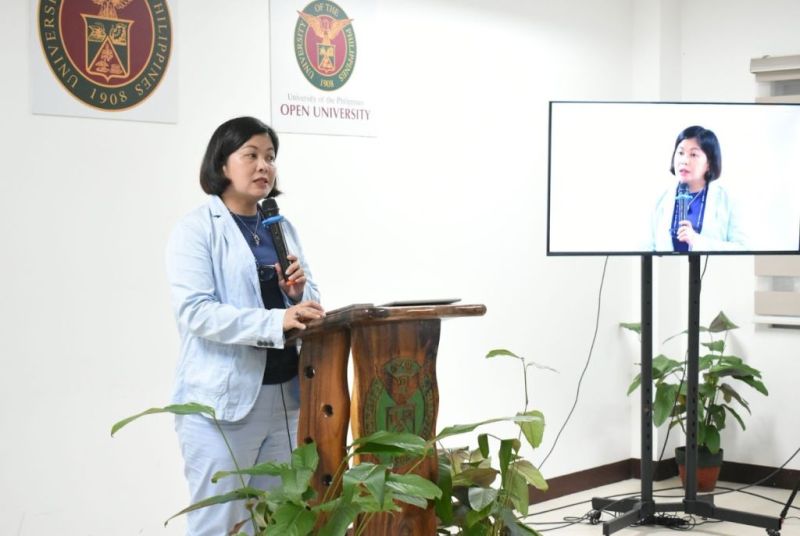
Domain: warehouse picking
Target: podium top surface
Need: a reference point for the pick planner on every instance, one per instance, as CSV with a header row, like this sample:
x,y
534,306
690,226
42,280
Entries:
x,y
365,313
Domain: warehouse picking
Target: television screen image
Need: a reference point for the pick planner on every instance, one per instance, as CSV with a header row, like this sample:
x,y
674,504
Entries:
x,y
666,178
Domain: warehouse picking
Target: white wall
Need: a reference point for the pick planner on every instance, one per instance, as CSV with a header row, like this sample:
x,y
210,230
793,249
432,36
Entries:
x,y
718,40
449,200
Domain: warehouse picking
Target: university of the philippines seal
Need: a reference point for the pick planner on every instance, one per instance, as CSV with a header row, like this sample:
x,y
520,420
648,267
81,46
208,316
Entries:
x,y
110,54
325,45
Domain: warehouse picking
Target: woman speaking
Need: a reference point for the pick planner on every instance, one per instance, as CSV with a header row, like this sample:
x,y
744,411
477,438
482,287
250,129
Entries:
x,y
233,304
697,214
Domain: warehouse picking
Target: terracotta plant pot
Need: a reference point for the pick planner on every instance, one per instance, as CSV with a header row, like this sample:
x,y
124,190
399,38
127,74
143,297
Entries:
x,y
708,466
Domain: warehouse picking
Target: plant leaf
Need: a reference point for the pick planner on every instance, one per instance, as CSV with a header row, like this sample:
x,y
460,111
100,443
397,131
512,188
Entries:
x,y
483,445
531,474
293,520
267,468
712,439
464,428
191,408
666,395
755,384
340,519
501,352
721,323
517,488
235,495
444,504
633,326
475,476
533,430
371,476
413,485
480,498
395,443
735,415
715,346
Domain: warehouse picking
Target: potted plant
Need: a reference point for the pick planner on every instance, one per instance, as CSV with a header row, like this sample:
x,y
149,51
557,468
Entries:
x,y
721,374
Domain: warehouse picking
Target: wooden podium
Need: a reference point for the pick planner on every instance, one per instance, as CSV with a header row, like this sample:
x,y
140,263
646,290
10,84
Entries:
x,y
394,357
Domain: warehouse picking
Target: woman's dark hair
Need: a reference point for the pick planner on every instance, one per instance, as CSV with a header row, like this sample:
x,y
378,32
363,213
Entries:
x,y
228,137
708,143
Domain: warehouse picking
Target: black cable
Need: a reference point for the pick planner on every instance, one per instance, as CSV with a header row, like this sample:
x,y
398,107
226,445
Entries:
x,y
760,481
763,497
586,366
286,418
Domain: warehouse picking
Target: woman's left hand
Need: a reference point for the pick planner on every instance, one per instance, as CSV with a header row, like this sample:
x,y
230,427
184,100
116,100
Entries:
x,y
294,281
686,233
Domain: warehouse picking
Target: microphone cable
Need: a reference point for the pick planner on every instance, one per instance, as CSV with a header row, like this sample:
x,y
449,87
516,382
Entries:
x,y
286,420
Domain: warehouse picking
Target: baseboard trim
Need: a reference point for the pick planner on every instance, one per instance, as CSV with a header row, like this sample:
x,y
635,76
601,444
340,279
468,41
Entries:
x,y
738,473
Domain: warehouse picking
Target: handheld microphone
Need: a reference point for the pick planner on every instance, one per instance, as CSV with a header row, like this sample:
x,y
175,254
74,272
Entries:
x,y
683,198
272,222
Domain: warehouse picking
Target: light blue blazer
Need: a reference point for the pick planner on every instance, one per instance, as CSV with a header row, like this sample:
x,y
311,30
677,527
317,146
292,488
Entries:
x,y
723,225
216,299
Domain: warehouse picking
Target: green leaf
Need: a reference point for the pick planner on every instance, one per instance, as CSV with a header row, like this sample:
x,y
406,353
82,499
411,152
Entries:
x,y
729,393
721,323
267,468
176,409
240,494
531,474
475,476
755,384
293,520
413,485
483,445
507,449
371,476
712,439
501,352
464,428
480,498
633,326
663,366
635,384
533,430
305,457
517,488
736,416
395,443
473,518
340,519
444,504
411,499
715,346
666,395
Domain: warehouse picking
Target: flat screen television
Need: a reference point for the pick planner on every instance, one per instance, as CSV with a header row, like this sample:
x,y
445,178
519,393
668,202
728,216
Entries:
x,y
670,178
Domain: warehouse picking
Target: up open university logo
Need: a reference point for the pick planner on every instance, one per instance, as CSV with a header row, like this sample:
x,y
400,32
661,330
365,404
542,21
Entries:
x,y
111,58
325,45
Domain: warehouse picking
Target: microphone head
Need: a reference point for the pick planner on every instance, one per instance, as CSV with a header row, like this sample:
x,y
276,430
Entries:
x,y
683,197
270,207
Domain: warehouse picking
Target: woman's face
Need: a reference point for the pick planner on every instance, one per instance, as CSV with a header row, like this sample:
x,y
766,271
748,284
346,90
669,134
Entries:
x,y
691,163
251,170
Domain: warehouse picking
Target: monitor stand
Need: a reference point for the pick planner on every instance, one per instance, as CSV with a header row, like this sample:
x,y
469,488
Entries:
x,y
642,510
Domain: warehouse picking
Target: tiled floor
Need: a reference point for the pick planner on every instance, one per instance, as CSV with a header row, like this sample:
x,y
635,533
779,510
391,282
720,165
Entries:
x,y
543,517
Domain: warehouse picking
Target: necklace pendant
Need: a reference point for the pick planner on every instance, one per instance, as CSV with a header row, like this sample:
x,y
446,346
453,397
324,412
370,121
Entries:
x,y
256,239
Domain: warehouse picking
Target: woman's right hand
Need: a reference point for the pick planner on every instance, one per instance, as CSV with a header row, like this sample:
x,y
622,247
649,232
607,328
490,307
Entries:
x,y
297,316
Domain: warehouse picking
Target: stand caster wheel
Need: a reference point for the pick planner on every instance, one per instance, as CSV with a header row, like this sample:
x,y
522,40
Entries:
x,y
773,532
594,517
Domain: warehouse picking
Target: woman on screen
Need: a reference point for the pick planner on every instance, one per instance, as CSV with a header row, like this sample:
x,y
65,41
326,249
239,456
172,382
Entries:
x,y
697,214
